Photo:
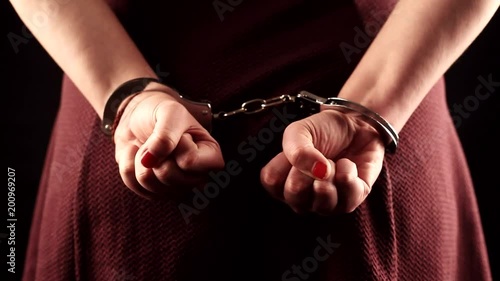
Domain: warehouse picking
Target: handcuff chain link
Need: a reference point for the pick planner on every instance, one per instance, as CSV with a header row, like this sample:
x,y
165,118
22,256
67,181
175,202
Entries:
x,y
255,106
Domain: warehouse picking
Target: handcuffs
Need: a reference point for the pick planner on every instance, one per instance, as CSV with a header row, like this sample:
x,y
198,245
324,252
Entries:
x,y
202,111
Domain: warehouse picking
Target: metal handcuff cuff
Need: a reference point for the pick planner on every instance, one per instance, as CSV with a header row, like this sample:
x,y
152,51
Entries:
x,y
202,111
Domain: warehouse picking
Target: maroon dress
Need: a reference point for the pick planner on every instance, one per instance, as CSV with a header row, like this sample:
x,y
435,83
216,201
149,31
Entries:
x,y
420,222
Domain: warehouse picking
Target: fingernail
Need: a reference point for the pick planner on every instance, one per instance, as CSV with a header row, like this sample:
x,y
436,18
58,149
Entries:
x,y
319,170
149,160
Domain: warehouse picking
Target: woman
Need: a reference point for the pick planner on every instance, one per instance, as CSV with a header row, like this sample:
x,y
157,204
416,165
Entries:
x,y
363,214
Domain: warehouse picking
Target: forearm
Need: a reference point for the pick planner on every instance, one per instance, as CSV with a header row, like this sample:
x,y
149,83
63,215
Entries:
x,y
89,44
415,47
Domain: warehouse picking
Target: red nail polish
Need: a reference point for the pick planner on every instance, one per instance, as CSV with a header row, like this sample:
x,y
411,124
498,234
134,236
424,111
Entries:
x,y
149,160
319,170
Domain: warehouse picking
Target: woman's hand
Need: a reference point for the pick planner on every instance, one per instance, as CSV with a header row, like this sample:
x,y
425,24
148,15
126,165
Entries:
x,y
329,163
160,147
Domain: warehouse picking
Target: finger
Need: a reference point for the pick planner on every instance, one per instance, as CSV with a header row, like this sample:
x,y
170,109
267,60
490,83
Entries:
x,y
298,191
273,175
148,180
126,166
352,190
300,151
201,156
170,124
171,175
167,177
325,195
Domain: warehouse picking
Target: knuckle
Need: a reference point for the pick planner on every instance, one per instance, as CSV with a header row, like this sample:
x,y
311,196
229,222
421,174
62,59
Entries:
x,y
143,176
127,170
322,189
188,161
344,178
294,188
298,154
163,173
164,138
269,179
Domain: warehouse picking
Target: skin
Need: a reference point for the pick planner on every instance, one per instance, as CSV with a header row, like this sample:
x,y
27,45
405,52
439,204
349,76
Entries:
x,y
99,59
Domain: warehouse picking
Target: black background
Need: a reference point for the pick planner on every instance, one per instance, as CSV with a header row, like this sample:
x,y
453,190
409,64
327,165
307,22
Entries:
x,y
31,98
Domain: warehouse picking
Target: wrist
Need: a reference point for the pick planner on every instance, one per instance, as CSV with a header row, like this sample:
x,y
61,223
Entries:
x,y
391,103
118,99
129,94
313,104
150,92
116,81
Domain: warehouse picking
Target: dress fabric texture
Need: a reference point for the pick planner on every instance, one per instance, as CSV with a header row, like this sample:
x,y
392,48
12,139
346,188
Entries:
x,y
420,222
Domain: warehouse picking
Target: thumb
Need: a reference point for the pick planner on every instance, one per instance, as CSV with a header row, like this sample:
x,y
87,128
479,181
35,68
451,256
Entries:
x,y
299,149
171,121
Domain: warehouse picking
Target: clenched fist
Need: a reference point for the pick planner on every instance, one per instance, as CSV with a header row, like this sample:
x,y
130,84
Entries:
x,y
329,163
161,148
